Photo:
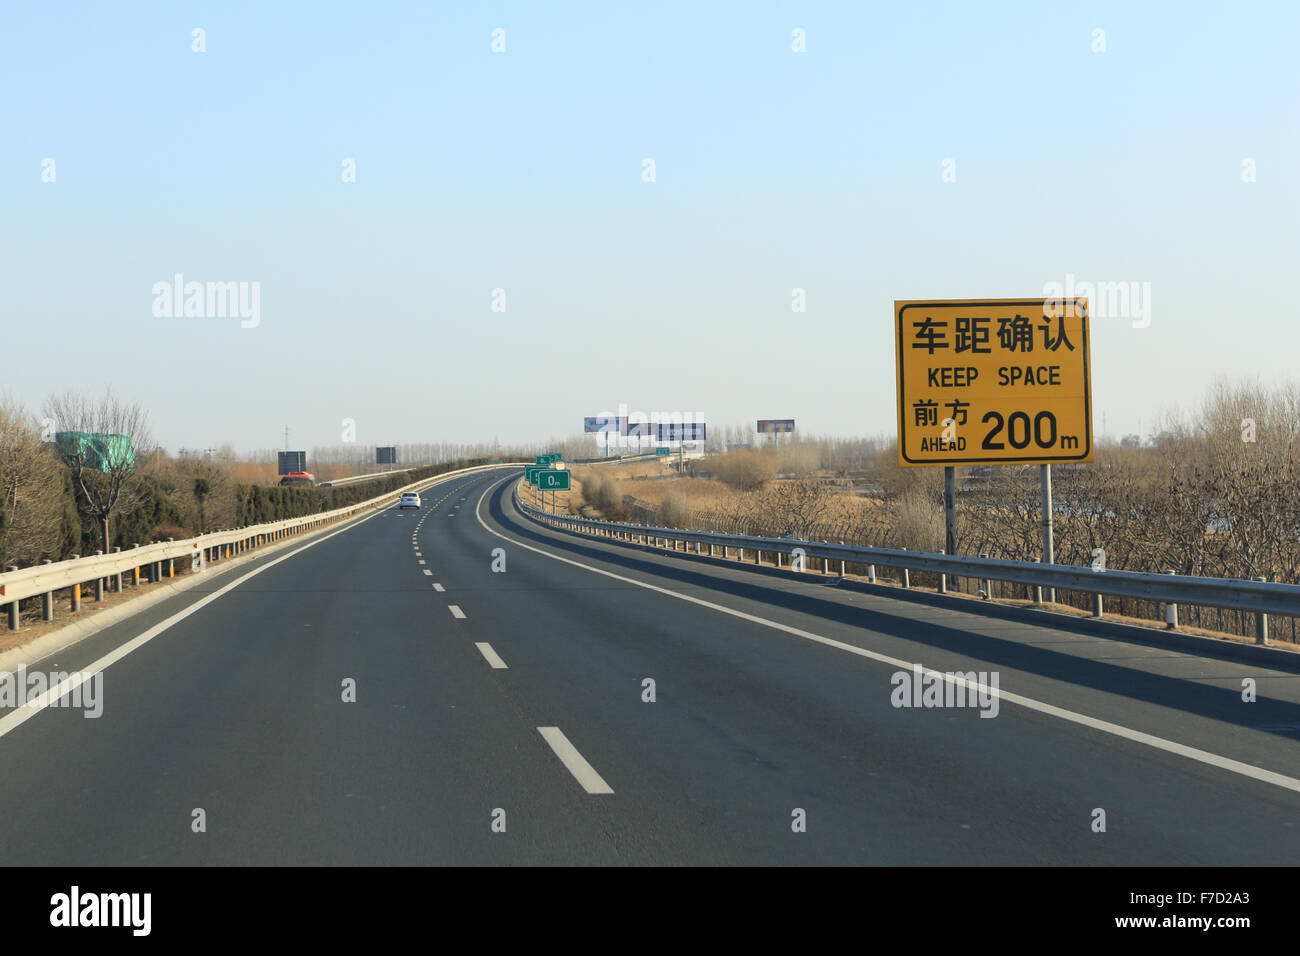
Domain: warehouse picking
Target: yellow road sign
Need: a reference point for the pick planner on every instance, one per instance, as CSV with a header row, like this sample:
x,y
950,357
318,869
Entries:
x,y
993,381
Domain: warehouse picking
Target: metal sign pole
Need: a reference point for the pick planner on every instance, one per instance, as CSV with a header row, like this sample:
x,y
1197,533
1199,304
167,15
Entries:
x,y
950,508
1049,550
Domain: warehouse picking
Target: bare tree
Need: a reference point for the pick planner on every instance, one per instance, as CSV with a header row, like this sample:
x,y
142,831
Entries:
x,y
30,485
101,458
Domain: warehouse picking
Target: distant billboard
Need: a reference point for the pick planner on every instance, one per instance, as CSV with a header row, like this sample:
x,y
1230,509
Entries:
x,y
616,424
680,431
97,451
386,455
770,425
641,429
292,461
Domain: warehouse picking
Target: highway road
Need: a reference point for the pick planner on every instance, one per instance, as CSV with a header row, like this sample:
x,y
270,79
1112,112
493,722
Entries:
x,y
515,697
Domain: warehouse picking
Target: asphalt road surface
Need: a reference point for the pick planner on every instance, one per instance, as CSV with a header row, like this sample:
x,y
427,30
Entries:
x,y
500,717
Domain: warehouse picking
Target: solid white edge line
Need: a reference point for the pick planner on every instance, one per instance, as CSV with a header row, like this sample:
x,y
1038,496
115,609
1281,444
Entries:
x,y
491,656
573,761
24,712
1137,736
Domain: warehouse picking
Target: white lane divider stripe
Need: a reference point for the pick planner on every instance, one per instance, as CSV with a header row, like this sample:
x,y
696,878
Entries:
x,y
438,587
428,572
573,761
491,656
1127,733
456,612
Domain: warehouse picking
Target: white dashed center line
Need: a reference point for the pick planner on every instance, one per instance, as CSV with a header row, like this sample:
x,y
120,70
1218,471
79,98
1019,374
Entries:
x,y
456,612
491,657
582,771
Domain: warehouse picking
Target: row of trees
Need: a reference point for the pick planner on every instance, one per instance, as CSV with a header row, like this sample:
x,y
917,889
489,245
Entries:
x,y
65,497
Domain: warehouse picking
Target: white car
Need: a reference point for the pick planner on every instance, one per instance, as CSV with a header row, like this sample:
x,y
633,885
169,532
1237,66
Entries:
x,y
409,500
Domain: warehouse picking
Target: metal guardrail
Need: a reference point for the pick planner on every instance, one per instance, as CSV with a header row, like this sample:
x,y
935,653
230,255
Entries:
x,y
1170,589
45,579
356,479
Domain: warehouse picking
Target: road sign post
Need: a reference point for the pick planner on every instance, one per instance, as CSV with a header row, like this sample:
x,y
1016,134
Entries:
x,y
1049,546
950,508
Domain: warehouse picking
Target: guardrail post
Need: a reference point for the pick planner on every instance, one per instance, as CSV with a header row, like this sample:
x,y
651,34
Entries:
x,y
871,573
99,583
1097,606
758,555
907,576
873,567
47,600
943,578
74,592
1261,624
1038,588
985,584
117,578
13,607
779,556
135,571
1171,613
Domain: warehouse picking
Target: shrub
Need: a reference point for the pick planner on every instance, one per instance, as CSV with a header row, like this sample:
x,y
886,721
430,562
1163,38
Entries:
x,y
673,511
746,469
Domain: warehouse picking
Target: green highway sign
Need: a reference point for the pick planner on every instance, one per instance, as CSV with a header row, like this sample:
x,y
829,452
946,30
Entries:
x,y
549,459
662,451
530,472
543,460
551,480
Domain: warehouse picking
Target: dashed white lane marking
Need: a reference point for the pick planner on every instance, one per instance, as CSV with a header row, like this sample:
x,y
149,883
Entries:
x,y
438,587
491,656
582,771
1117,730
421,561
456,612
428,572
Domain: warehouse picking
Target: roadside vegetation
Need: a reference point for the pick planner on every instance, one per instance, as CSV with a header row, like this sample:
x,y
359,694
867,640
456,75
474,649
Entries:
x,y
1214,491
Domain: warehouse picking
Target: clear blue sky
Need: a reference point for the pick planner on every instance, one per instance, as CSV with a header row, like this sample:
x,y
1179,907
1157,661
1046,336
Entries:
x,y
522,171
